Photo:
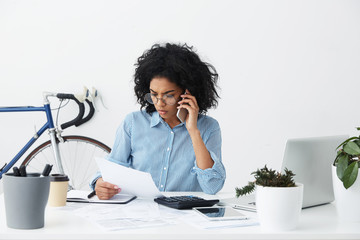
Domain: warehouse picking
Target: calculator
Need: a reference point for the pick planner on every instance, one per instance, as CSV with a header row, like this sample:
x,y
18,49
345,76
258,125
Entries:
x,y
185,202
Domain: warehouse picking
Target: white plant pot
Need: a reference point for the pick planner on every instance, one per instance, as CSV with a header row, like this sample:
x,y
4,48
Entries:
x,y
347,201
279,208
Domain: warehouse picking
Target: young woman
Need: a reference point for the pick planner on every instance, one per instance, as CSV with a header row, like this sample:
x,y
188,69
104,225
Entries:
x,y
180,156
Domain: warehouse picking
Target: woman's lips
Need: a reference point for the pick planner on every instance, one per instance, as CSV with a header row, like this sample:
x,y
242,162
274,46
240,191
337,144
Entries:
x,y
162,112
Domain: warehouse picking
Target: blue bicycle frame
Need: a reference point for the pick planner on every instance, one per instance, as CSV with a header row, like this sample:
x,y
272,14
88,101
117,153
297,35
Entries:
x,y
48,125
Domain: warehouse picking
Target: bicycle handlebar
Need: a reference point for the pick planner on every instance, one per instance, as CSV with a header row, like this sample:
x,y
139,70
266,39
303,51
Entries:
x,y
78,120
89,116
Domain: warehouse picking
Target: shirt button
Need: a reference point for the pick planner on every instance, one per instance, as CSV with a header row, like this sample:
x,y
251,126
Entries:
x,y
162,186
164,168
168,149
172,132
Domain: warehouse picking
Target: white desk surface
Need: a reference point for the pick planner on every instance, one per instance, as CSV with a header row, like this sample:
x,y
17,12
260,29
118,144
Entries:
x,y
315,223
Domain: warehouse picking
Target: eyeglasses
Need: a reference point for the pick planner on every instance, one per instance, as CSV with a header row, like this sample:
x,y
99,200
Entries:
x,y
167,99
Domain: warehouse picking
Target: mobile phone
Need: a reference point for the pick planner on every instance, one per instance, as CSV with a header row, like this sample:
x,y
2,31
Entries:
x,y
182,113
220,213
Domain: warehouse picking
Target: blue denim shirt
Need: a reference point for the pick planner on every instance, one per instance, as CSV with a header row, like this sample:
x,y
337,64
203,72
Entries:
x,y
147,143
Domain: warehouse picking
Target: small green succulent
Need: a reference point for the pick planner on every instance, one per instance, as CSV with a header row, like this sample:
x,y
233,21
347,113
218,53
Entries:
x,y
267,178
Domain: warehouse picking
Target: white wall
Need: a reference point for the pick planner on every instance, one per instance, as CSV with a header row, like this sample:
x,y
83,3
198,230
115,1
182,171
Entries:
x,y
287,68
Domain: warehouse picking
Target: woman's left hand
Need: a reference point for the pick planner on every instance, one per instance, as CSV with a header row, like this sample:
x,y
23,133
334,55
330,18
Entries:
x,y
189,102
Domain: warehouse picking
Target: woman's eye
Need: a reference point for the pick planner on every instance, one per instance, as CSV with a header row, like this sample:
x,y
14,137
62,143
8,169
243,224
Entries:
x,y
153,94
169,96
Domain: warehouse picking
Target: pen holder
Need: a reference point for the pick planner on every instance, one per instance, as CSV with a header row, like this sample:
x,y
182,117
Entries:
x,y
58,190
25,200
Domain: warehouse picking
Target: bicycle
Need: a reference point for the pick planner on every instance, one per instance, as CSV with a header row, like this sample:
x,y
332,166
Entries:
x,y
67,154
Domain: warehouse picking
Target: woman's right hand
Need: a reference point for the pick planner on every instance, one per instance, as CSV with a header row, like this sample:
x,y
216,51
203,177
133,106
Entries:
x,y
105,190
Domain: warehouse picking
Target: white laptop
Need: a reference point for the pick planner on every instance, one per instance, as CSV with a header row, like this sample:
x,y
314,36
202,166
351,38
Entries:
x,y
310,159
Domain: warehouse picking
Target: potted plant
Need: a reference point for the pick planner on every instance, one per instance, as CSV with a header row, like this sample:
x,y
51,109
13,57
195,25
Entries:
x,y
278,198
345,179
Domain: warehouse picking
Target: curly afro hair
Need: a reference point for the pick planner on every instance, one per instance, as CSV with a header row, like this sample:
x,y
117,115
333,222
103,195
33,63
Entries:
x,y
182,66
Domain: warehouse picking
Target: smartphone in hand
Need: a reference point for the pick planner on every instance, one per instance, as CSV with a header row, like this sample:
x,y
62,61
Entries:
x,y
182,113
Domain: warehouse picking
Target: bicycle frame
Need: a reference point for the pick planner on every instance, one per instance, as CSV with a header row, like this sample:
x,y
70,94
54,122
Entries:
x,y
48,125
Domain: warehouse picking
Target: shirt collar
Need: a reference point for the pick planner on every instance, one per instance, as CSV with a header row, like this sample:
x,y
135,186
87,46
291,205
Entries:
x,y
155,119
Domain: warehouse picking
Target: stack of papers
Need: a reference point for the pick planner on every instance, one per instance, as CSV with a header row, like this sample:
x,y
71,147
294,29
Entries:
x,y
141,213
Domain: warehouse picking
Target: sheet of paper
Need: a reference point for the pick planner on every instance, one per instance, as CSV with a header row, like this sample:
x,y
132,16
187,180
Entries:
x,y
130,181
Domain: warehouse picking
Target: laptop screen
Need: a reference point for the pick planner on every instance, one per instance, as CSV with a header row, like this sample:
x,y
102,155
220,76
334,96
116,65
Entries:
x,y
310,159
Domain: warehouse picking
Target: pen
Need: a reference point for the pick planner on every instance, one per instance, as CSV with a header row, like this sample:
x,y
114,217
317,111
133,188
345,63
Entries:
x,y
22,170
16,171
93,193
47,170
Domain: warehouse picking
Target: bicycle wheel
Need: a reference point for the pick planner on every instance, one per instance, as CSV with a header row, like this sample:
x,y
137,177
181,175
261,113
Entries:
x,y
77,156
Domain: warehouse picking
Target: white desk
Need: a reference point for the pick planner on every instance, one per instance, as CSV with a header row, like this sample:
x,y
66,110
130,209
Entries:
x,y
315,223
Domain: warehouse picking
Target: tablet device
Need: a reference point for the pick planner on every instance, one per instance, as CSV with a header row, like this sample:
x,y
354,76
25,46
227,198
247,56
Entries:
x,y
220,213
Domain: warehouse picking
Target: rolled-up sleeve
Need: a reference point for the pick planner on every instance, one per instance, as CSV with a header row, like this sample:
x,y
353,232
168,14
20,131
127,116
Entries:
x,y
212,179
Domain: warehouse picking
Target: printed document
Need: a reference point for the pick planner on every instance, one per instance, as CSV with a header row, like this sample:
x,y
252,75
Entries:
x,y
131,181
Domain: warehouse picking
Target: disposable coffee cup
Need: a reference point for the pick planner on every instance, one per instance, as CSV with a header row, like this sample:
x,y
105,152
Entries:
x,y
58,190
25,200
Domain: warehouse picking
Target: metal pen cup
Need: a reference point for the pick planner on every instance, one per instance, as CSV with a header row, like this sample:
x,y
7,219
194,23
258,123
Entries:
x,y
25,200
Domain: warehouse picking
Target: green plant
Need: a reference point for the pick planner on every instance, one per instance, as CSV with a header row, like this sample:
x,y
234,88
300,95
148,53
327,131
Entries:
x,y
347,161
267,178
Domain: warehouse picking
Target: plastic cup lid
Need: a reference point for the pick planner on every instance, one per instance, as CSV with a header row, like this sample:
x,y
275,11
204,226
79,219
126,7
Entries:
x,y
58,177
